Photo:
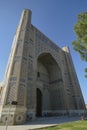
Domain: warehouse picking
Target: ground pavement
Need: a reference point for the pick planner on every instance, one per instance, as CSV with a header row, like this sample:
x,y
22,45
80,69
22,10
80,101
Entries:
x,y
41,122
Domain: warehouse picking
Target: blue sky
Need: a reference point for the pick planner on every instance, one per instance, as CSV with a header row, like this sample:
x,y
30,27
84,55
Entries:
x,y
55,18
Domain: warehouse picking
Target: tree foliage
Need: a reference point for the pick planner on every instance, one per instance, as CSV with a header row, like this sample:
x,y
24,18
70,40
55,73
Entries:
x,y
80,44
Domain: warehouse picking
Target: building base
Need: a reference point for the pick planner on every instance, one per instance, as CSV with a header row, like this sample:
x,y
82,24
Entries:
x,y
13,115
19,115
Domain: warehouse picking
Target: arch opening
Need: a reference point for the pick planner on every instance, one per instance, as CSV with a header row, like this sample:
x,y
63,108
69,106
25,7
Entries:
x,y
49,81
39,103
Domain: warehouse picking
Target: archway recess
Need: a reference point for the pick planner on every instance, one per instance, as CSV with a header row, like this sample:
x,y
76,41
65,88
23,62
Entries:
x,y
49,81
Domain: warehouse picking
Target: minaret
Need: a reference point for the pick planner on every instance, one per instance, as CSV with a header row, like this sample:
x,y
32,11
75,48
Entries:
x,y
16,74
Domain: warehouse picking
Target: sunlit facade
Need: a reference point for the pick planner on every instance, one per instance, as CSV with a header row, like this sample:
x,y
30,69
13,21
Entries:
x,y
40,78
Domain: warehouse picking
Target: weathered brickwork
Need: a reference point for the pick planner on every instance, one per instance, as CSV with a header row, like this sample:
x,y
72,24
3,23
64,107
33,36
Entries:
x,y
40,78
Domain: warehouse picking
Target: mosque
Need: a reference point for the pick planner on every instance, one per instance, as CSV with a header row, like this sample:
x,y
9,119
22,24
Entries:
x,y
40,78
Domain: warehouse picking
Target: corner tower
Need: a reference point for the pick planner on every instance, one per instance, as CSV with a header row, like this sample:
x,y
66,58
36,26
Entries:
x,y
16,73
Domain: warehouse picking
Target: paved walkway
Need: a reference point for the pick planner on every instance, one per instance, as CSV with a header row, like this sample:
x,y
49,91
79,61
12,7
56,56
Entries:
x,y
40,123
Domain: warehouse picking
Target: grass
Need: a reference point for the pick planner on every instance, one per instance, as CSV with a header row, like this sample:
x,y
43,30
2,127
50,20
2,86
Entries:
x,y
78,125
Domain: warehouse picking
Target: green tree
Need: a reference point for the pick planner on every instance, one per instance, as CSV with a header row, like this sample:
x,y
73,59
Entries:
x,y
80,44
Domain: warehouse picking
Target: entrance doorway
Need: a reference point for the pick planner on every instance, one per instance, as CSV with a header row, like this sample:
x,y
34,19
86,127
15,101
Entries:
x,y
38,103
